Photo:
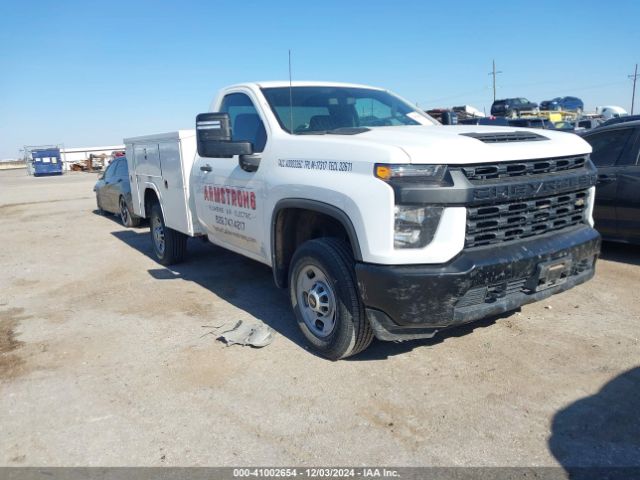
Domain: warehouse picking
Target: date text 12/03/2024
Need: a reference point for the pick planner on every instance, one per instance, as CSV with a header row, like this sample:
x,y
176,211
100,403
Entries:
x,y
316,472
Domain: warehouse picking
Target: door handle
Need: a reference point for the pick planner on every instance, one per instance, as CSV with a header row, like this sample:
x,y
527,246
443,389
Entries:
x,y
206,168
606,178
119,180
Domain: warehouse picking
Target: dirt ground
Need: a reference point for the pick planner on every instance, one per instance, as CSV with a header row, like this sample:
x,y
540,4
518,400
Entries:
x,y
109,359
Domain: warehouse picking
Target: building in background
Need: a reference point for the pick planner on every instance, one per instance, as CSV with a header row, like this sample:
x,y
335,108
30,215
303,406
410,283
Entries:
x,y
80,155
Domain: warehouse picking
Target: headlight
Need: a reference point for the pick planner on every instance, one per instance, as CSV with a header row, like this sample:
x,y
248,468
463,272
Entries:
x,y
414,227
417,173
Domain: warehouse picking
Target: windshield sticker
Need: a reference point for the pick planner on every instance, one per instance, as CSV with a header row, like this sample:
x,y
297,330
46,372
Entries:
x,y
323,165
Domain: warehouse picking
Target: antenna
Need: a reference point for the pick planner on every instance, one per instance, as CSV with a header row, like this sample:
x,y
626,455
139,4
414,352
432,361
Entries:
x,y
290,96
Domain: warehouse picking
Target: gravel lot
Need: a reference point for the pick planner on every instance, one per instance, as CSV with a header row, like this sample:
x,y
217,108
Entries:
x,y
109,359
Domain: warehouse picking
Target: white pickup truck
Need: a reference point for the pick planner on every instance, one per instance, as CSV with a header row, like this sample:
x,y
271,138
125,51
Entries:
x,y
378,220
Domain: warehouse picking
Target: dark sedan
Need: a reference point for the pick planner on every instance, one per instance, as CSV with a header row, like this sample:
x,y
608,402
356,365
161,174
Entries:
x,y
511,107
616,152
568,104
113,192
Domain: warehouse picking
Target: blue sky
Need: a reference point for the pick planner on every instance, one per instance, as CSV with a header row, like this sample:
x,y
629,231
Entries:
x,y
90,73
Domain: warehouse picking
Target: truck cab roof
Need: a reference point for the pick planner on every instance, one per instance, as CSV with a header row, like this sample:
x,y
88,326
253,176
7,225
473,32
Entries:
x,y
299,83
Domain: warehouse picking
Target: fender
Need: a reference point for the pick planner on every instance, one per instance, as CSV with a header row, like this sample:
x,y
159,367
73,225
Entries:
x,y
143,208
315,206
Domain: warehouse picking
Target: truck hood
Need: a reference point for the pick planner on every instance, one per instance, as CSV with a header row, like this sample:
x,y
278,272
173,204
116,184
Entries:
x,y
453,145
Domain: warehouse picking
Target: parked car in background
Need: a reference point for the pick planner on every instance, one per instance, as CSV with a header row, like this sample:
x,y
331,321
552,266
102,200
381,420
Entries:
x,y
444,115
113,192
626,118
588,123
532,123
568,104
616,149
511,107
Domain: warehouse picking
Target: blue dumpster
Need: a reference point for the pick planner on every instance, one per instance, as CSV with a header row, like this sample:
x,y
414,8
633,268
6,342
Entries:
x,y
46,162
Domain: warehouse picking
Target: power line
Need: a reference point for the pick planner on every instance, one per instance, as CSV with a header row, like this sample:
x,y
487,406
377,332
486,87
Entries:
x,y
494,73
633,95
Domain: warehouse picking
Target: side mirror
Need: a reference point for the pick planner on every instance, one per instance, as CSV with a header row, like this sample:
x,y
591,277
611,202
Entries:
x,y
213,134
101,176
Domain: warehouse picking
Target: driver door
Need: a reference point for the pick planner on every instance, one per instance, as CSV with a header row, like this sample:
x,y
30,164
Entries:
x,y
230,199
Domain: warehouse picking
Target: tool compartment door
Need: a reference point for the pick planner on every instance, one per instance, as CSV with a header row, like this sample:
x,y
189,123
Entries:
x,y
174,199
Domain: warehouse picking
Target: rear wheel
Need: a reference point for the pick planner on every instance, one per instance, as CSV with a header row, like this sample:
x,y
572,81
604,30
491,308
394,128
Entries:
x,y
127,217
325,299
169,246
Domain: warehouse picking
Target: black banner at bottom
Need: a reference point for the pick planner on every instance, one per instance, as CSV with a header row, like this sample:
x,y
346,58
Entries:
x,y
315,473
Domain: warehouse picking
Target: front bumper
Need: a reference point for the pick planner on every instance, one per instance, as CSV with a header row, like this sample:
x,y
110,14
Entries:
x,y
416,301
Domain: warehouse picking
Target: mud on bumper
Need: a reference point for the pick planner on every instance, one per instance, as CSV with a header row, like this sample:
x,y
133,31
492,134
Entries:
x,y
415,301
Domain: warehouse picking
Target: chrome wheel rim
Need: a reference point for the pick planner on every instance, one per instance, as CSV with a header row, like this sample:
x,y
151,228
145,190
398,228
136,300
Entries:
x,y
158,234
124,212
316,300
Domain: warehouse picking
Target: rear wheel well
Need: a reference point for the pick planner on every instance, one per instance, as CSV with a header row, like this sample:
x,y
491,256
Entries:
x,y
150,198
294,226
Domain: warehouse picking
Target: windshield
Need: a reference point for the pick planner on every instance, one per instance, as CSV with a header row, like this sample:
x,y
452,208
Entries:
x,y
323,109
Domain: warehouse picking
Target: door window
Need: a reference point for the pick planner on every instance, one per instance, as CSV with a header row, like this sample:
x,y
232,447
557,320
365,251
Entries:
x,y
246,124
608,146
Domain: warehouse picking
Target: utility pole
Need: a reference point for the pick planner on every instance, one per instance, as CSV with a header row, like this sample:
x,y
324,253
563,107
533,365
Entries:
x,y
494,73
633,95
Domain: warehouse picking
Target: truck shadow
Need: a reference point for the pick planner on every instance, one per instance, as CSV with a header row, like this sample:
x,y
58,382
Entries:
x,y
601,431
248,285
620,252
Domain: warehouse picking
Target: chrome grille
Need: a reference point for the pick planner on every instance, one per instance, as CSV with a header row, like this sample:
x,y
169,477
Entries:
x,y
513,220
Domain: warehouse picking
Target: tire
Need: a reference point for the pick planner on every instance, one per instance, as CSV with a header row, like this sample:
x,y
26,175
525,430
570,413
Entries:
x,y
325,299
169,246
127,217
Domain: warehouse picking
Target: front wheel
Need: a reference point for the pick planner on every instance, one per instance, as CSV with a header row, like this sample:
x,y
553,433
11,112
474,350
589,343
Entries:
x,y
325,299
169,246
